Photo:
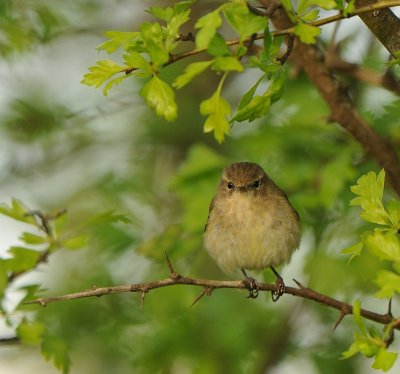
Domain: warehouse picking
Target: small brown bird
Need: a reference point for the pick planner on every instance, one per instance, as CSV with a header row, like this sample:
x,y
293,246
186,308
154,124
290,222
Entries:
x,y
251,224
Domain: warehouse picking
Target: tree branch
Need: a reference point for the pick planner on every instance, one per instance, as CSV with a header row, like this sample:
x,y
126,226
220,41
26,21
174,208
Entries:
x,y
387,80
289,30
210,285
383,23
343,111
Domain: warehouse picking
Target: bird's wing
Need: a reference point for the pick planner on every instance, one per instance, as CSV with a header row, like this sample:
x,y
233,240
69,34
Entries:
x,y
209,212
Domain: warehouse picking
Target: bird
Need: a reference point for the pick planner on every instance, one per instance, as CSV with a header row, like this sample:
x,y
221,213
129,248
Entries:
x,y
251,225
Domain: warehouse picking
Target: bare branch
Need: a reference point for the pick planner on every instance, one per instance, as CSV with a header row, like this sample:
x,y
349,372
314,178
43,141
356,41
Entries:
x,y
209,285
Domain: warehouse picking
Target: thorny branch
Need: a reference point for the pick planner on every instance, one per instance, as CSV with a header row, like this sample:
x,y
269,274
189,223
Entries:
x,y
209,286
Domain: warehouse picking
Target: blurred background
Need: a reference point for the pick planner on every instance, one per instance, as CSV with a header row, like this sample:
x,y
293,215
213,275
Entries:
x,y
64,145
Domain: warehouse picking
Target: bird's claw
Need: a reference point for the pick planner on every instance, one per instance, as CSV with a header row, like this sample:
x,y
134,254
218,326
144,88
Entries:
x,y
251,284
252,287
279,289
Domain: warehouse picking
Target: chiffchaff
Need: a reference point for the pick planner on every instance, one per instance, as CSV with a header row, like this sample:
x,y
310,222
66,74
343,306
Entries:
x,y
251,224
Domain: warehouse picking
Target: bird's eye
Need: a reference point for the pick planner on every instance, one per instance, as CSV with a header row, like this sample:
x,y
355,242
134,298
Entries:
x,y
230,186
256,184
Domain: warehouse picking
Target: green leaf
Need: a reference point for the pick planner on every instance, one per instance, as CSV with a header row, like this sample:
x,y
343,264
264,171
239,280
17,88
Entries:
x,y
307,33
31,332
303,5
310,16
99,73
30,238
216,108
29,295
351,7
277,84
191,71
388,282
357,316
76,242
393,210
177,21
395,60
267,66
384,245
160,97
287,4
217,46
353,350
113,82
369,187
152,36
370,190
244,22
165,14
324,4
208,26
384,360
227,64
106,217
267,41
354,250
3,277
245,100
22,259
17,211
118,39
258,107
135,60
55,349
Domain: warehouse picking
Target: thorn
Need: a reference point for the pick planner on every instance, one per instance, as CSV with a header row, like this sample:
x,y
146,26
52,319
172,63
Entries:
x,y
340,319
41,302
298,283
390,308
171,269
172,273
207,291
144,291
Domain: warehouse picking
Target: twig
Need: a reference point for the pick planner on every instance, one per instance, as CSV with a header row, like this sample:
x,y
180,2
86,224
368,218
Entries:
x,y
10,340
302,291
283,31
289,48
207,291
43,223
343,110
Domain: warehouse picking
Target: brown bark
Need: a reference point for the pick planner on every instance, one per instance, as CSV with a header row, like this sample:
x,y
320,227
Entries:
x,y
343,111
384,24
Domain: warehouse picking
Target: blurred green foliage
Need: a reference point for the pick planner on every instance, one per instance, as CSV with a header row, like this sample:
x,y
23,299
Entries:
x,y
136,187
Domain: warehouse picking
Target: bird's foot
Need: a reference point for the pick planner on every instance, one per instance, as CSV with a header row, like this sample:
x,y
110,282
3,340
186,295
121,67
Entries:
x,y
251,285
279,289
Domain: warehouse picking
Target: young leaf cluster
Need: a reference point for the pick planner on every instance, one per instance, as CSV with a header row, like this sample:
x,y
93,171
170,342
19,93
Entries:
x,y
45,234
383,243
371,343
147,51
